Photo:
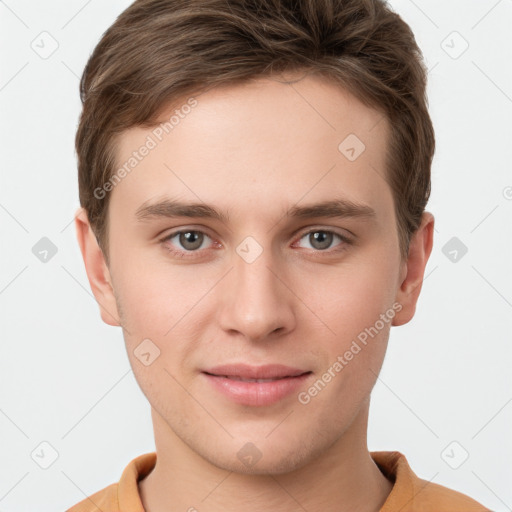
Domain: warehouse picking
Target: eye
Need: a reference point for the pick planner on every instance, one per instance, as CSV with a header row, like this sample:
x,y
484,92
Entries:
x,y
322,239
189,240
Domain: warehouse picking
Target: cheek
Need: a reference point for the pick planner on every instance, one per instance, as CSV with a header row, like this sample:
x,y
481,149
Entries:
x,y
167,307
357,306
156,298
353,297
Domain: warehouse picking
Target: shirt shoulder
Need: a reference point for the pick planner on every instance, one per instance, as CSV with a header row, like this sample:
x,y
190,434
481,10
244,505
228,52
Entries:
x,y
122,496
444,499
413,494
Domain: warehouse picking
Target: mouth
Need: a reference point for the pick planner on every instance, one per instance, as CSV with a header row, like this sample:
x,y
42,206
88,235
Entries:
x,y
243,379
245,372
256,386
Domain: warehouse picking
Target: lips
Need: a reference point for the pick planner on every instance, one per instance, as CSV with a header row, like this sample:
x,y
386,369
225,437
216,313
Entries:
x,y
231,377
248,373
256,385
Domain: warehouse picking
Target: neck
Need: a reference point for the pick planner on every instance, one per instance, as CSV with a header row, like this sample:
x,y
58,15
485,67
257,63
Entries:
x,y
343,478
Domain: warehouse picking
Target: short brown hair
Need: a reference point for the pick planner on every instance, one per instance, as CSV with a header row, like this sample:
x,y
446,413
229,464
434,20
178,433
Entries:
x,y
159,51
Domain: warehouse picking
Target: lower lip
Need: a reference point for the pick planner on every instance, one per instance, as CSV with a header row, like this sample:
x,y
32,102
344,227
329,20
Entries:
x,y
256,393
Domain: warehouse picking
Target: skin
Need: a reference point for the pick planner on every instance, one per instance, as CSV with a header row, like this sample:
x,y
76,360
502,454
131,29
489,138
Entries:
x,y
255,151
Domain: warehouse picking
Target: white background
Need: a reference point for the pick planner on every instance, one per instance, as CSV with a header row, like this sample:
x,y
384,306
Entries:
x,y
65,376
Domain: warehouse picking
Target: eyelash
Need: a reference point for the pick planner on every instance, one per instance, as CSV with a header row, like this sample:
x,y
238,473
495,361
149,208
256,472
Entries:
x,y
192,254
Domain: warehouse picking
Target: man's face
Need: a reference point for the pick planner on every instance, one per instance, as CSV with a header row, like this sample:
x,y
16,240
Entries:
x,y
261,285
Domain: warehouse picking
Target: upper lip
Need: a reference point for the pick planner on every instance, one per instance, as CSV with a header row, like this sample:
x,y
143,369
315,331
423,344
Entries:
x,y
246,371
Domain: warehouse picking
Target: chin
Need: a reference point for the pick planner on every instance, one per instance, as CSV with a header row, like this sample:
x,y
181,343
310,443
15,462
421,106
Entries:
x,y
265,458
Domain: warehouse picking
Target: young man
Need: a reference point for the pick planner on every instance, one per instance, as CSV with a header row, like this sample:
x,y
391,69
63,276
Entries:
x,y
253,178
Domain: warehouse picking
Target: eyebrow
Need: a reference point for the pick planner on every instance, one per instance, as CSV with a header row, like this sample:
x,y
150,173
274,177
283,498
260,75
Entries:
x,y
169,208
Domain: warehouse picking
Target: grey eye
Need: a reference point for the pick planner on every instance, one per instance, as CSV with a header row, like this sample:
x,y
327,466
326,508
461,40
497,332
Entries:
x,y
191,240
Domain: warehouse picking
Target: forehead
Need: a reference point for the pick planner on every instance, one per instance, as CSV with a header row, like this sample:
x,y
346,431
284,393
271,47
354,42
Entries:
x,y
258,143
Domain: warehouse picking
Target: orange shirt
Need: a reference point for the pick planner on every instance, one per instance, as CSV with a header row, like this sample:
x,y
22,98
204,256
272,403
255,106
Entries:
x,y
409,493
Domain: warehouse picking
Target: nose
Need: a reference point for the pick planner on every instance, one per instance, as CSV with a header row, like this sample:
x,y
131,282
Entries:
x,y
256,301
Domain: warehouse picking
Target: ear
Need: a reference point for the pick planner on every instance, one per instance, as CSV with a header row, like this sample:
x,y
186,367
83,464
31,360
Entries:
x,y
96,268
413,269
